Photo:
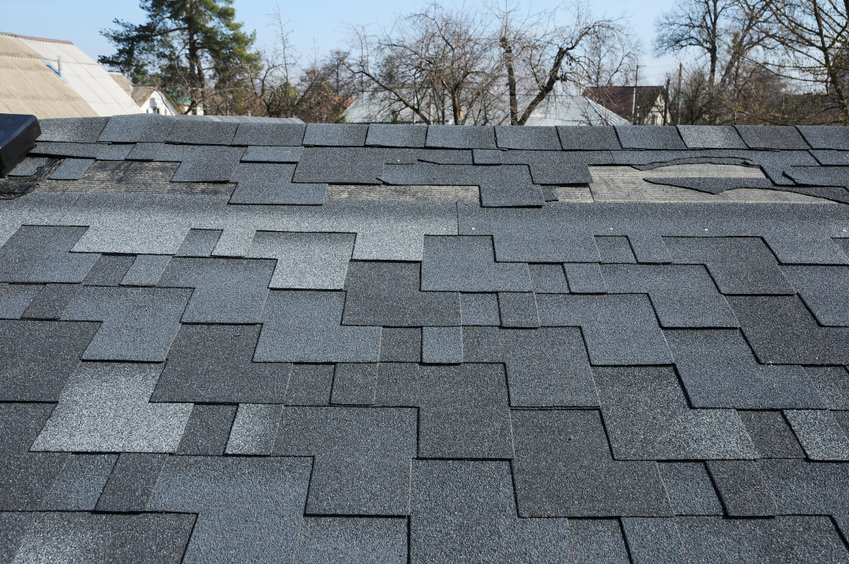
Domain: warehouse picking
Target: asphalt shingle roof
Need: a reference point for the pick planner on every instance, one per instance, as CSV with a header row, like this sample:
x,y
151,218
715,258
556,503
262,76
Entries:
x,y
252,342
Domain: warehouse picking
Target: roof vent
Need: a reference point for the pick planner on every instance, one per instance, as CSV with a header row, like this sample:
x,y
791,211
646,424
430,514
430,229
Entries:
x,y
17,136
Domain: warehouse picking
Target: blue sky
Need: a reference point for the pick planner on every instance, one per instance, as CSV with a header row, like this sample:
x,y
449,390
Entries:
x,y
315,27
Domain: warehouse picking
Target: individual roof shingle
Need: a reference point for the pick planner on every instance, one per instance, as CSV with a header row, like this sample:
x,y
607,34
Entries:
x,y
771,434
42,254
207,430
131,482
269,134
651,137
393,135
199,131
518,309
81,482
354,384
254,429
72,130
821,137
742,489
334,539
442,345
598,138
820,434
467,264
460,137
15,299
51,301
332,134
264,183
136,129
711,137
528,138
690,489
824,289
772,137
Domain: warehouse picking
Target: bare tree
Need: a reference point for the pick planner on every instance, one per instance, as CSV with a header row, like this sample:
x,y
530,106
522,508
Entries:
x,y
813,37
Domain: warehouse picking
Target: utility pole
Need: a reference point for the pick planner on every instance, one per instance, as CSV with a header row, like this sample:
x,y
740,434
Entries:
x,y
634,97
680,78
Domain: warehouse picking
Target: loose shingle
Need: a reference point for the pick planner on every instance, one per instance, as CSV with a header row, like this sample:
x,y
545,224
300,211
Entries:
x,y
212,363
89,538
772,137
545,367
43,254
618,329
585,278
647,418
305,327
248,509
388,294
226,290
564,468
207,430
71,169
199,243
471,398
207,164
272,155
718,369
138,323
465,511
362,457
146,270
467,264
72,130
104,408
615,249
333,134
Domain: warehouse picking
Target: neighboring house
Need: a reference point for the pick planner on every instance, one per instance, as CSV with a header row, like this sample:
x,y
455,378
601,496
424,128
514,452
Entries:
x,y
153,101
380,107
640,105
54,78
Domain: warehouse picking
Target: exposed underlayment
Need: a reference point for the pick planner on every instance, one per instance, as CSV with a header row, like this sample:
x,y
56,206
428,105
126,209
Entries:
x,y
235,341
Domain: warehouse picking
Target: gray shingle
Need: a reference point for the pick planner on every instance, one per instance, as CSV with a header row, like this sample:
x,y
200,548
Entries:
x,y
79,485
43,254
200,131
394,135
305,327
25,478
548,279
69,130
207,430
131,482
273,155
399,344
527,138
362,457
388,294
207,164
71,169
742,489
718,369
564,468
820,434
104,408
690,489
618,329
354,384
116,152
226,290
712,185
13,529
15,299
465,511
89,538
109,270
270,183
771,434
38,373
824,137
347,165
615,249
824,289
479,309
682,296
269,134
772,137
212,363
463,410
136,128
551,168
199,243
442,345
461,137
138,323
649,137
51,301
249,509
781,330
647,418
829,157
69,150
305,260
28,166
585,278
711,137
518,309
146,270
468,264
352,539
819,175
335,135
599,138
742,265
545,367
254,429
654,540
486,156
310,384
832,385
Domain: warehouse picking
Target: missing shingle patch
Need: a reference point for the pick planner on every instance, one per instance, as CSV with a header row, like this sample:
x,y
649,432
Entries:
x,y
105,177
405,193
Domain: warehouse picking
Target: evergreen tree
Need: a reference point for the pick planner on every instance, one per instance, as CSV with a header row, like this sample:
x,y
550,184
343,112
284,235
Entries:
x,y
194,49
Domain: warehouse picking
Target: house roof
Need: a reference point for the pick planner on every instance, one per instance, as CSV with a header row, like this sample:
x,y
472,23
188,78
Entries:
x,y
620,99
84,88
258,341
381,107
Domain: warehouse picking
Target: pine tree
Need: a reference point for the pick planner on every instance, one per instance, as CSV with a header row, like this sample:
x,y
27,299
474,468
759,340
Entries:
x,y
194,49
